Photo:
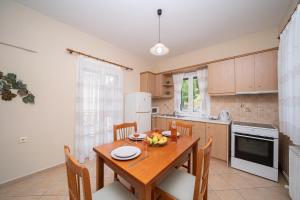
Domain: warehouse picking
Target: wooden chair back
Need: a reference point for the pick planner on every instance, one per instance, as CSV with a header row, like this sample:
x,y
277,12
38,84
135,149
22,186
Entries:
x,y
122,131
77,175
182,128
203,161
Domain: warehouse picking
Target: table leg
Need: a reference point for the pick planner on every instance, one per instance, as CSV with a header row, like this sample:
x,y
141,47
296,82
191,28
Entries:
x,y
145,193
99,173
195,153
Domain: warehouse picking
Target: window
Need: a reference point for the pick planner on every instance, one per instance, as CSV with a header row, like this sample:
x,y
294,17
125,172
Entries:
x,y
190,85
190,93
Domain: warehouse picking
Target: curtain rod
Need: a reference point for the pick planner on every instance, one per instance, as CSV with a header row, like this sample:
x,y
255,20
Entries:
x,y
93,57
18,47
283,28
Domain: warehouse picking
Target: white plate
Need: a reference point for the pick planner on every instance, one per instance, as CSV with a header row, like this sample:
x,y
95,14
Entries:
x,y
168,133
128,158
125,151
141,137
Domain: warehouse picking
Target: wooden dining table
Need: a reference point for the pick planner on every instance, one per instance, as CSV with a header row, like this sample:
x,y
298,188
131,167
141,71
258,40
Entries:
x,y
150,167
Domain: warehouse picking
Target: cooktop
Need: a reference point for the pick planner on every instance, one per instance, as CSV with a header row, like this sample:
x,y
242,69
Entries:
x,y
253,125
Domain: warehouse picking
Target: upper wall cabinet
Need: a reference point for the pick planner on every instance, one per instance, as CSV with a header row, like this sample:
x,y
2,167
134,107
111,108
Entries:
x,y
256,73
221,79
147,82
159,85
244,74
266,71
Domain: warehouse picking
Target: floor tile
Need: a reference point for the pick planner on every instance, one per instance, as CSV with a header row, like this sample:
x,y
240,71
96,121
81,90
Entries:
x,y
224,184
229,195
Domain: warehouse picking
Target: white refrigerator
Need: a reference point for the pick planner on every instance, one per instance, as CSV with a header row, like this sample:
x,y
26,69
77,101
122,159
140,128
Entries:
x,y
138,109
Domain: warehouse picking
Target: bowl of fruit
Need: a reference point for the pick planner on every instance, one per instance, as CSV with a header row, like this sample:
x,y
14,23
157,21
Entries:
x,y
157,139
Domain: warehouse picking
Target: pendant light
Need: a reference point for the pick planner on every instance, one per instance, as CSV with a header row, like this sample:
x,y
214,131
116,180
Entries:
x,y
159,49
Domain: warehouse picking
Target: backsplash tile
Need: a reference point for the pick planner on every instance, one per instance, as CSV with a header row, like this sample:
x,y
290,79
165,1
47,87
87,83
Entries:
x,y
258,108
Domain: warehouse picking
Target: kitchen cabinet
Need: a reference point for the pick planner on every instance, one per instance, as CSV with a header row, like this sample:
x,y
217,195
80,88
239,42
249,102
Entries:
x,y
159,123
199,131
244,74
219,134
221,78
158,85
147,82
256,73
266,71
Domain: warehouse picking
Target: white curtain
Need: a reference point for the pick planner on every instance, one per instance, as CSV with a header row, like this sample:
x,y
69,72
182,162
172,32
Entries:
x,y
202,76
289,79
177,81
99,105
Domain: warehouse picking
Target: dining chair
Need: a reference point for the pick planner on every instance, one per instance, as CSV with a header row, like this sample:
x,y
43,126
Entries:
x,y
78,176
184,129
122,131
184,186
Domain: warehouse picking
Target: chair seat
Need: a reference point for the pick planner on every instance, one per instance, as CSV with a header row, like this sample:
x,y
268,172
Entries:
x,y
179,184
113,191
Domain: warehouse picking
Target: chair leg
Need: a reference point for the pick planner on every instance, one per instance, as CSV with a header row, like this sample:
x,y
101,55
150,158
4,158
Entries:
x,y
116,177
132,189
205,195
189,165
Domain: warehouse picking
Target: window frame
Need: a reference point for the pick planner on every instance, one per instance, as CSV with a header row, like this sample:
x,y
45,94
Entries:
x,y
190,111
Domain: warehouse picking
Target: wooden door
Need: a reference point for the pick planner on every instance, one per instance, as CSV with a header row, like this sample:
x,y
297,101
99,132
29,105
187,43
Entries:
x,y
221,79
244,74
219,134
266,71
199,130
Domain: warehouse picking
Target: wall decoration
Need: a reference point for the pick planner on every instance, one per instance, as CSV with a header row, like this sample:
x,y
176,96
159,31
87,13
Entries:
x,y
10,87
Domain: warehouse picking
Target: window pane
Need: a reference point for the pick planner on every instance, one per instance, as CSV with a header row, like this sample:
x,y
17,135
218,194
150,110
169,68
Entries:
x,y
196,95
184,95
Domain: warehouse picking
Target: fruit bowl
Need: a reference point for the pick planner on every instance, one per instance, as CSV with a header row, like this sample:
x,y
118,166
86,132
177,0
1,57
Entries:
x,y
156,139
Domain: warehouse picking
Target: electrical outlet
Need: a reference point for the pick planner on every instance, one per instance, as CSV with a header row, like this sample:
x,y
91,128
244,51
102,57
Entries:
x,y
22,140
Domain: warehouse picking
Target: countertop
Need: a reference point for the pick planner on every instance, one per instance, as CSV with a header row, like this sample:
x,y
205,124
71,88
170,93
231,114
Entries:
x,y
196,119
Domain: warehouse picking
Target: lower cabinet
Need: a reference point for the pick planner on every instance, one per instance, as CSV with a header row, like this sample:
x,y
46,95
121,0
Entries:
x,y
204,130
199,130
219,134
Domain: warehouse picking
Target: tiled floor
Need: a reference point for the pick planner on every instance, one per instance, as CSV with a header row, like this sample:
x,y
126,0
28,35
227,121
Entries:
x,y
224,184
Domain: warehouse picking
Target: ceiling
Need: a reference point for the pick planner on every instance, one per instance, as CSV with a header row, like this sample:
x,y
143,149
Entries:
x,y
186,25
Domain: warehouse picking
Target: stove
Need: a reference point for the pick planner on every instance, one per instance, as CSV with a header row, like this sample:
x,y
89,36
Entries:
x,y
254,149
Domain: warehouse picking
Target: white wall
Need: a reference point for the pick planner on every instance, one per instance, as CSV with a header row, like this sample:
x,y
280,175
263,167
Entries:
x,y
246,44
50,75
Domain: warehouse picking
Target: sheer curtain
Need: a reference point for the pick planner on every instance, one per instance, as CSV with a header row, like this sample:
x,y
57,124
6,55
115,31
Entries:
x,y
202,75
99,105
289,79
177,81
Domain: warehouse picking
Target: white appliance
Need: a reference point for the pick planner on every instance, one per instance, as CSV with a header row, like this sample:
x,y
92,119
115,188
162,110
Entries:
x,y
138,109
254,149
224,115
294,172
155,110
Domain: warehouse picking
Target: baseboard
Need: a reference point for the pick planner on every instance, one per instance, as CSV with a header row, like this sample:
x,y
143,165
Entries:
x,y
285,176
20,178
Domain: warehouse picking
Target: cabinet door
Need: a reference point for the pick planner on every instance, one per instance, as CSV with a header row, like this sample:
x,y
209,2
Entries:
x,y
199,131
158,85
144,82
161,123
244,74
219,134
221,78
147,82
266,71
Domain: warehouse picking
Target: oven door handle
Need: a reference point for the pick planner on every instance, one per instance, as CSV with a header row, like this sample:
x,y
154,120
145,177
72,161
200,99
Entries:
x,y
246,136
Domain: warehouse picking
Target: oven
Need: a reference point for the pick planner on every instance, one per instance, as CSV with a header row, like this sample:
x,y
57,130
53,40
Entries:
x,y
254,149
